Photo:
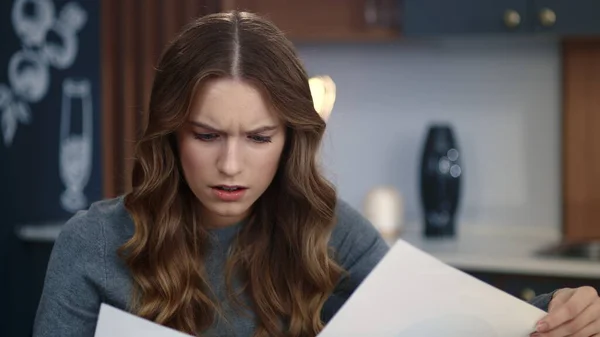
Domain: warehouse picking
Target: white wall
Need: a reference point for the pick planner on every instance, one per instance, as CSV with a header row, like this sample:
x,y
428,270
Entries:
x,y
502,96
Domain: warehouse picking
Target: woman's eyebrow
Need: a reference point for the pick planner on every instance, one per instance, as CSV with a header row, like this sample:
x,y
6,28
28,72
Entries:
x,y
214,129
264,128
204,126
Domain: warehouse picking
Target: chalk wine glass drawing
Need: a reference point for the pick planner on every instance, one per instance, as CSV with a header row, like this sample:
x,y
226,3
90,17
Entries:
x,y
75,149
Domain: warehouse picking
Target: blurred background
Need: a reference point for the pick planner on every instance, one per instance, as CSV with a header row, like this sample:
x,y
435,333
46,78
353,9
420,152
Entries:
x,y
467,128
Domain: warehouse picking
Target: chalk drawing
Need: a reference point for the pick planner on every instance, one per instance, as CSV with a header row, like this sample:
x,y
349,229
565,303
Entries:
x,y
28,68
75,149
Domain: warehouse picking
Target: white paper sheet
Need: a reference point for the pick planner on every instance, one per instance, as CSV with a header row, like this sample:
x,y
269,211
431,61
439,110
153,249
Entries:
x,y
410,293
113,322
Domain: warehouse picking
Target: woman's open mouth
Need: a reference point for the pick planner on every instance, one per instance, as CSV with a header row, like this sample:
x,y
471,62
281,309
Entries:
x,y
228,192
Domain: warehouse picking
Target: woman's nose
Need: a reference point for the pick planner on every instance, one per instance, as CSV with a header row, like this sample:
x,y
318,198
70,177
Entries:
x,y
229,162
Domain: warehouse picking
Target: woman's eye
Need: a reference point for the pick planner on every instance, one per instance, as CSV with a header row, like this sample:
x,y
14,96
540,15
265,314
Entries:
x,y
207,137
260,139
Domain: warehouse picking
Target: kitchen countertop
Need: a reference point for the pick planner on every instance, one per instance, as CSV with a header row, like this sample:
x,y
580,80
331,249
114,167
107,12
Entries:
x,y
504,249
39,233
476,248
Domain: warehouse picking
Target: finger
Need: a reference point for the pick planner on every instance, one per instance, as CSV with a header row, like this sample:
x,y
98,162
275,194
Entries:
x,y
591,329
583,320
579,301
559,298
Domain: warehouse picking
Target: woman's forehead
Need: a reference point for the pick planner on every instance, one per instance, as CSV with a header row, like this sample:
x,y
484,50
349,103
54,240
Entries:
x,y
231,103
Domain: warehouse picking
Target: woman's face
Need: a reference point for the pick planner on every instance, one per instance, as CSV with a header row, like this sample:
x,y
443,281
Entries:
x,y
230,149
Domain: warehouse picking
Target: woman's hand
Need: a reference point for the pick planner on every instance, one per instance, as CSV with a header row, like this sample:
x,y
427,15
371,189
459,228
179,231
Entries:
x,y
572,313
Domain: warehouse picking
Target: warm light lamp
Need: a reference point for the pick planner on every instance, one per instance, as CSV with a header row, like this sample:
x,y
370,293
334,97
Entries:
x,y
322,89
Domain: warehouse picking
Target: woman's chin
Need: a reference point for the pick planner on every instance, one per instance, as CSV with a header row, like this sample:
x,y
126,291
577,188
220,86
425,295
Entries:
x,y
223,214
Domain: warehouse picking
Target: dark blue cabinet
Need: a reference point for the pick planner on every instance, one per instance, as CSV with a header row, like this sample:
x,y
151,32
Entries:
x,y
567,17
440,17
500,17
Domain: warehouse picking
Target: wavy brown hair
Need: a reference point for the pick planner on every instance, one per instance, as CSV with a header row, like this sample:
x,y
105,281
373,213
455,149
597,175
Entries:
x,y
281,253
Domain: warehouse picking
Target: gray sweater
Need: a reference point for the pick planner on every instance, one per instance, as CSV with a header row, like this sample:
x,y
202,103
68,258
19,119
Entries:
x,y
84,270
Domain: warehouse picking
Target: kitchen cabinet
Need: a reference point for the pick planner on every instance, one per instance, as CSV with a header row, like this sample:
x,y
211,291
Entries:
x,y
440,17
25,276
513,17
327,20
574,17
581,139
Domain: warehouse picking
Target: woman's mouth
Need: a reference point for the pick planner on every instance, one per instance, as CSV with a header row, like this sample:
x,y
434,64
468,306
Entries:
x,y
229,188
228,192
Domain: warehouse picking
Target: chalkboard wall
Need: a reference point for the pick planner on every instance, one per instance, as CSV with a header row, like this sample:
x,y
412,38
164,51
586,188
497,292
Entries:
x,y
50,154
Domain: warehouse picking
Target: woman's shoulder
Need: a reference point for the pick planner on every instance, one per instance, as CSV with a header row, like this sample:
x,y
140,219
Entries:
x,y
349,218
351,225
83,271
105,220
358,246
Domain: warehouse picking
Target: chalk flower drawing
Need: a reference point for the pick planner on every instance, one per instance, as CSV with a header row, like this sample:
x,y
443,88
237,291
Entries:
x,y
28,73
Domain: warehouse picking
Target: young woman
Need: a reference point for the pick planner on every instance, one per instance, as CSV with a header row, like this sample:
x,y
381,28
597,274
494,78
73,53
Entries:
x,y
230,229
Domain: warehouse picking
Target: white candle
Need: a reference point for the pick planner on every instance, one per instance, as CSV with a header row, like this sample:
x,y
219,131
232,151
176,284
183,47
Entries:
x,y
384,209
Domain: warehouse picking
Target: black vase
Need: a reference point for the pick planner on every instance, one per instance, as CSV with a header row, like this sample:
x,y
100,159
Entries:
x,y
441,173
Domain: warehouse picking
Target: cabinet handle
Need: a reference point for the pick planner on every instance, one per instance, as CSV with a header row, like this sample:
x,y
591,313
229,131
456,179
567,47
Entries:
x,y
547,17
381,13
371,13
527,294
512,18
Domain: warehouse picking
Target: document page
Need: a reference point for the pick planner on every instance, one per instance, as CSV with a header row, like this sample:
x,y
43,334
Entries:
x,y
410,293
113,322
